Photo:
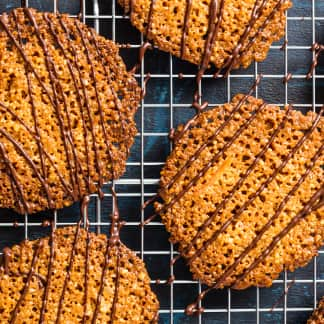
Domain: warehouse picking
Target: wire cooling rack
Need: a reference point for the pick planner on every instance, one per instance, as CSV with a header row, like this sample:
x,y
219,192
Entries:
x,y
293,296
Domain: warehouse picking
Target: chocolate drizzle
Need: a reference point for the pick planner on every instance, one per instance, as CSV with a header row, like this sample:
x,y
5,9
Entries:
x,y
7,257
95,144
314,203
27,284
146,46
256,35
185,28
150,19
285,293
146,80
69,35
195,156
317,49
84,215
15,183
68,272
113,241
216,11
49,276
271,221
57,98
73,76
215,17
255,14
287,78
30,91
310,206
108,75
259,190
65,185
230,195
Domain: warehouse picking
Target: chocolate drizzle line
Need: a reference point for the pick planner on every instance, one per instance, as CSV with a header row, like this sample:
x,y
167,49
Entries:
x,y
150,19
66,186
230,195
68,35
146,46
58,101
98,162
113,241
311,206
114,304
30,91
255,14
308,208
281,207
84,213
49,275
215,18
27,284
285,293
215,11
209,164
37,130
318,49
79,98
146,80
30,162
56,85
258,192
7,257
185,28
54,101
68,272
287,78
107,72
191,309
81,13
15,183
195,156
256,35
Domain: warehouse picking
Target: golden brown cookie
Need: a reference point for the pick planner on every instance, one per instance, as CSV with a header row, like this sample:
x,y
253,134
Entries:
x,y
227,33
67,109
243,192
46,281
318,314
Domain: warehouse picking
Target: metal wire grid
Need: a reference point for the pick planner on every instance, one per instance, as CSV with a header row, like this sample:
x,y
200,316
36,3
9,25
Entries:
x,y
150,243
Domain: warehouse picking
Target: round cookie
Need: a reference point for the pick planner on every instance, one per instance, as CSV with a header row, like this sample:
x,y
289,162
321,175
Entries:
x,y
227,33
40,284
318,314
242,192
67,108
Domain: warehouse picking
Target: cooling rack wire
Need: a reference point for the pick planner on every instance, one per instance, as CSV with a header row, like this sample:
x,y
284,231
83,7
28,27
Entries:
x,y
293,296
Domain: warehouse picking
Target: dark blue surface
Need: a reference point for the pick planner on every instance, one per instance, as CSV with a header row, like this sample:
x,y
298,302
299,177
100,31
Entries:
x,y
157,118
